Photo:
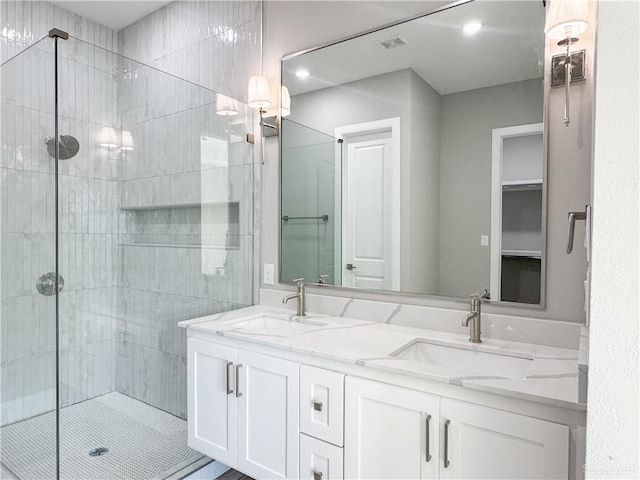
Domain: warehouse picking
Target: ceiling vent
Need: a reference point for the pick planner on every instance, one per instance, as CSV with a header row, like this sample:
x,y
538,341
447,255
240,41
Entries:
x,y
393,42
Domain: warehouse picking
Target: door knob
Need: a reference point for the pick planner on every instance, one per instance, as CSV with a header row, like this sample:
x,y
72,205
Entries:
x,y
350,266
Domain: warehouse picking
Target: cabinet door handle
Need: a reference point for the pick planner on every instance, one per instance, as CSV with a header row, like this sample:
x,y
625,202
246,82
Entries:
x,y
317,475
446,444
317,406
238,367
427,453
228,380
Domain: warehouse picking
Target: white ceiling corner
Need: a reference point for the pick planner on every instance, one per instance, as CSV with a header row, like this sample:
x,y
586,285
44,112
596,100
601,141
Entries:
x,y
115,14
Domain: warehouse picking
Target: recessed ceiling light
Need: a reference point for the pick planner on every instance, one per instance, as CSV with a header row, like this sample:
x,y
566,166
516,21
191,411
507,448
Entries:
x,y
302,73
472,27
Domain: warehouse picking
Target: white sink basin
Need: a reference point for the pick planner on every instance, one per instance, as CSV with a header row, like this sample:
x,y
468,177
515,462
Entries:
x,y
469,360
273,325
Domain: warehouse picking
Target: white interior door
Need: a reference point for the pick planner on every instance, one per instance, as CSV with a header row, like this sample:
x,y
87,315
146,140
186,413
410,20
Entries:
x,y
368,210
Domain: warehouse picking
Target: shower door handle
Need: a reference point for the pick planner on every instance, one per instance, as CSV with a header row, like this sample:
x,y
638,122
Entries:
x,y
229,389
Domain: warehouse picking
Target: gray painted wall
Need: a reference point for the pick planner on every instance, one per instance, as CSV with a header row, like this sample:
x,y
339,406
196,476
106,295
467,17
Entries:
x,y
397,94
465,176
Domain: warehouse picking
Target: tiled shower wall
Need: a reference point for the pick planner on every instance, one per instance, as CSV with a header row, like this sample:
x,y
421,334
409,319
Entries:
x,y
187,212
88,221
122,301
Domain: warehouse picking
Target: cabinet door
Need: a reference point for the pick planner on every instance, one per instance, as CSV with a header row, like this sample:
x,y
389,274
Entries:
x,y
487,443
319,460
211,409
267,416
390,432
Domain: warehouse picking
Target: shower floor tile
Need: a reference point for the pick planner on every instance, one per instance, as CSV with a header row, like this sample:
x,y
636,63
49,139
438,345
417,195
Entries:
x,y
143,442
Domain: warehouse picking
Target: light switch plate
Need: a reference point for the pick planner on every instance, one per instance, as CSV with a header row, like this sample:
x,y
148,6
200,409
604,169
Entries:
x,y
484,240
268,274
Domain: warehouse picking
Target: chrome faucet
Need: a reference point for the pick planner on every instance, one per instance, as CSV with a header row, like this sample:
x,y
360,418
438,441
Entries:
x,y
300,295
474,316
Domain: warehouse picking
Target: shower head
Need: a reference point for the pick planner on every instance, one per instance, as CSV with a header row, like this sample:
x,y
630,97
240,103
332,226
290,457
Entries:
x,y
69,146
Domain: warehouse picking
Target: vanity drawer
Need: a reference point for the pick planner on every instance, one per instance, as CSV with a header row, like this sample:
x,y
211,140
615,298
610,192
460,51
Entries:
x,y
322,404
320,460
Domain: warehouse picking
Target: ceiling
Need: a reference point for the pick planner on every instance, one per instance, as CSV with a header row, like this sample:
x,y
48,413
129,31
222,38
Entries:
x,y
508,48
113,14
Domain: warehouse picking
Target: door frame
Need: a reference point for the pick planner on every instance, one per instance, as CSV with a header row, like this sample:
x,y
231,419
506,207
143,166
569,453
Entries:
x,y
498,135
377,126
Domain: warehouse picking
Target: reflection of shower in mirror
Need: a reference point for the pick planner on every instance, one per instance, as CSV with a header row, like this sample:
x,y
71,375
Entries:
x,y
69,147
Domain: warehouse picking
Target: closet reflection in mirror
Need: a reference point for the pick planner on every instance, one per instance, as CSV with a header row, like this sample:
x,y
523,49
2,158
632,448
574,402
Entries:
x,y
413,157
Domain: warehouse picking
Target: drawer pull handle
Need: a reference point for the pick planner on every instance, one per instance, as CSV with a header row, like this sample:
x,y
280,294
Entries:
x,y
317,406
317,475
446,444
238,367
228,380
428,453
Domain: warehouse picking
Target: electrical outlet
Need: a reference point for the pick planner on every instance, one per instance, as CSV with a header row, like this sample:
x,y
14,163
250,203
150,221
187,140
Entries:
x,y
484,240
268,274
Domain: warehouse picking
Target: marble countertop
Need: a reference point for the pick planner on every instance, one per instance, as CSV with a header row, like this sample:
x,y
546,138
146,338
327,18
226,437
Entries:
x,y
551,375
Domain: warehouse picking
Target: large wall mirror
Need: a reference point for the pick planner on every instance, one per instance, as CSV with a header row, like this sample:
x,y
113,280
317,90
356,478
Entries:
x,y
413,158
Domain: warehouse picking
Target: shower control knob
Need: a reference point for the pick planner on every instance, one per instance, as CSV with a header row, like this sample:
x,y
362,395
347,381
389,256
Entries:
x,y
46,284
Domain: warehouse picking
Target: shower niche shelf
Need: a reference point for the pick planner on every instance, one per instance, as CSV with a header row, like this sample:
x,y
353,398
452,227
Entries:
x,y
208,226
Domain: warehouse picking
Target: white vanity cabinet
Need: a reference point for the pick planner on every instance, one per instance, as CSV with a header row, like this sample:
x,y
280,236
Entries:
x,y
243,409
486,443
393,432
390,432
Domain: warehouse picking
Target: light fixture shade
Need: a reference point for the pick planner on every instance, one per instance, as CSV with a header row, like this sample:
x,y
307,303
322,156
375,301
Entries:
x,y
108,138
226,106
259,95
127,141
285,103
566,18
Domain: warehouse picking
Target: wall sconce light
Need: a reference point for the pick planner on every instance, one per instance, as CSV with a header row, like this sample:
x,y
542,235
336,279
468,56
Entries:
x,y
127,141
226,106
566,21
108,138
285,102
260,98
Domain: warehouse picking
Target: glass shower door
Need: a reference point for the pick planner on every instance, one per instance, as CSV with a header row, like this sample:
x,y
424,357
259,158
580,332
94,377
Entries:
x,y
27,291
311,217
156,226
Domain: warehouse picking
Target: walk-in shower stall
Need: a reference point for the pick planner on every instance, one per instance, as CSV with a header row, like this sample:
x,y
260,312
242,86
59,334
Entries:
x,y
126,207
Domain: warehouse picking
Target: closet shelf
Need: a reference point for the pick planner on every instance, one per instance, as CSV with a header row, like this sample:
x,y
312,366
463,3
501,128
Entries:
x,y
521,185
522,253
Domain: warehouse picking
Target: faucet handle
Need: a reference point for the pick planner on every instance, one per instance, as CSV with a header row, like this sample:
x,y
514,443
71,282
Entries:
x,y
298,280
323,279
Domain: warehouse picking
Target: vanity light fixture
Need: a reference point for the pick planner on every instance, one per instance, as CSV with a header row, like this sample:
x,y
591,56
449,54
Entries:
x,y
472,27
285,102
566,21
259,94
127,141
108,138
226,106
302,73
260,98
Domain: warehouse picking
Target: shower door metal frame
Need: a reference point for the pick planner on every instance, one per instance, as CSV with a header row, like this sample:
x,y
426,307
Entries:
x,y
56,34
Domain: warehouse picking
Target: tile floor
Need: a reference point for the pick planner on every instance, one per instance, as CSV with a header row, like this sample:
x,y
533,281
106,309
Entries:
x,y
143,442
